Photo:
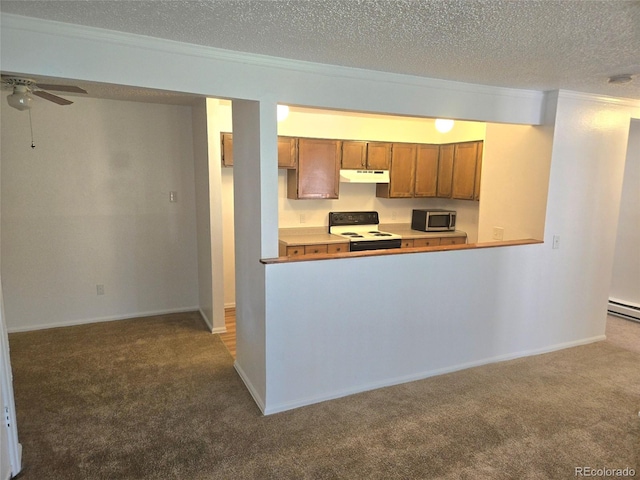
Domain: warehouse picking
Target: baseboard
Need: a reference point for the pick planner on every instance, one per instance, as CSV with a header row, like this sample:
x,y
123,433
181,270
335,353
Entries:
x,y
206,320
254,393
625,309
423,375
230,305
84,321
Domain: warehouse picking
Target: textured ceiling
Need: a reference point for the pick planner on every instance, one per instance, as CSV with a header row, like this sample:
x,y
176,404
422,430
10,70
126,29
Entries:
x,y
540,45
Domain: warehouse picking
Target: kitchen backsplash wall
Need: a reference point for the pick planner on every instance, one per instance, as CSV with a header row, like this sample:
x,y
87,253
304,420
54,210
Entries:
x,y
356,197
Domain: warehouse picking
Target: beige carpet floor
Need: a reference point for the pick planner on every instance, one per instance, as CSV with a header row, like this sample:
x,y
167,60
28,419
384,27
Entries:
x,y
158,398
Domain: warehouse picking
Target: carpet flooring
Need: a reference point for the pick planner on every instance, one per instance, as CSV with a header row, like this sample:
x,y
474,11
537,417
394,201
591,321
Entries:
x,y
158,398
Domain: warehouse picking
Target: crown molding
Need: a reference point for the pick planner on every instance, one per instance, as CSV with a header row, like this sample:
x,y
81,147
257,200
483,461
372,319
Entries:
x,y
93,34
602,99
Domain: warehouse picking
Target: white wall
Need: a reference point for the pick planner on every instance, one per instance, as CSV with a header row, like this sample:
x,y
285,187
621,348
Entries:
x,y
90,205
625,285
492,304
203,210
362,323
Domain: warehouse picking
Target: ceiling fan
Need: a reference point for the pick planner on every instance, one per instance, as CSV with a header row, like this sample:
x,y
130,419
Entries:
x,y
23,88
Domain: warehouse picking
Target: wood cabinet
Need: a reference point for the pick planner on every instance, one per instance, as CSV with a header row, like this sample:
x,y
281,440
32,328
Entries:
x,y
402,172
311,249
319,248
426,242
318,170
426,171
298,250
476,188
287,153
406,243
445,171
459,170
453,240
354,154
226,149
465,160
365,155
378,155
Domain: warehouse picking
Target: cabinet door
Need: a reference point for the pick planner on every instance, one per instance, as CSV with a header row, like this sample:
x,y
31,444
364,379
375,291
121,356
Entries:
x,y
445,171
318,172
226,149
476,188
337,247
453,240
311,249
426,242
426,170
287,152
295,251
354,155
402,170
464,170
378,156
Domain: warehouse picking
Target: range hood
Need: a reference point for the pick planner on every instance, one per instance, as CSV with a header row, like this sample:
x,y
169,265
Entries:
x,y
364,176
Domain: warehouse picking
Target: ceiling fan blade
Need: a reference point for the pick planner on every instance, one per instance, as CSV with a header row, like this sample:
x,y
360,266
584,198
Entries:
x,y
62,88
52,98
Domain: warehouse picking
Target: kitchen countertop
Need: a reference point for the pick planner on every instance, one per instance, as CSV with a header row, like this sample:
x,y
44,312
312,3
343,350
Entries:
x,y
308,236
316,235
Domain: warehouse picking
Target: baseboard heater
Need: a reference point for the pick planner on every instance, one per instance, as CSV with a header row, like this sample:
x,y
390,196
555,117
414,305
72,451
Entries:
x,y
624,309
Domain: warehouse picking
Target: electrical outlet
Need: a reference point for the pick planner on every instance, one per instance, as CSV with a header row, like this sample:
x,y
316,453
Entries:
x,y
173,197
303,218
498,233
394,215
100,289
556,242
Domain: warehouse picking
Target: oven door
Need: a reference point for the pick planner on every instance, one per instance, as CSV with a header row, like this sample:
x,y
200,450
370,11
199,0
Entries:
x,y
359,246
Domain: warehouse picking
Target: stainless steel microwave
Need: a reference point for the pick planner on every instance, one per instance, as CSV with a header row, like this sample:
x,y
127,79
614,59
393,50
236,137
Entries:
x,y
435,220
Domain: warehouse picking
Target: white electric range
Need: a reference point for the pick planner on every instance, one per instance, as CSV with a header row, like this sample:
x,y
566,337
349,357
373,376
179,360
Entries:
x,y
361,229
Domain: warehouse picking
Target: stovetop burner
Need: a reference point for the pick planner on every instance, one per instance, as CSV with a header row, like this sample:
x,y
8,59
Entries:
x,y
361,229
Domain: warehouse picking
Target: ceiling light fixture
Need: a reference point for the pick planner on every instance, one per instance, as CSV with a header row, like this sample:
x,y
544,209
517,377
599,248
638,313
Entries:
x,y
20,98
621,79
444,125
282,112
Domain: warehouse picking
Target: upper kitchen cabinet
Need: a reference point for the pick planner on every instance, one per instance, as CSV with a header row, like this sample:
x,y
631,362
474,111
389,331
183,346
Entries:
x,y
226,149
476,188
426,171
318,170
459,170
402,172
378,155
365,155
354,154
465,163
445,171
286,151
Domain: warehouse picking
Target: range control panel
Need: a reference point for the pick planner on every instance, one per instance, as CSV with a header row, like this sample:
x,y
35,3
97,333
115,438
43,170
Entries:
x,y
353,218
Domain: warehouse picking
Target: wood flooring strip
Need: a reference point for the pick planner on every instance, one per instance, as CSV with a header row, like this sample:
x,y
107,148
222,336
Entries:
x,y
229,337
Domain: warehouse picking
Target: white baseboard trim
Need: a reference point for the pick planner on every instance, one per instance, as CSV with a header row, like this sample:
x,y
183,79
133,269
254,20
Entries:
x,y
230,305
271,409
206,320
112,318
219,330
254,393
624,309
